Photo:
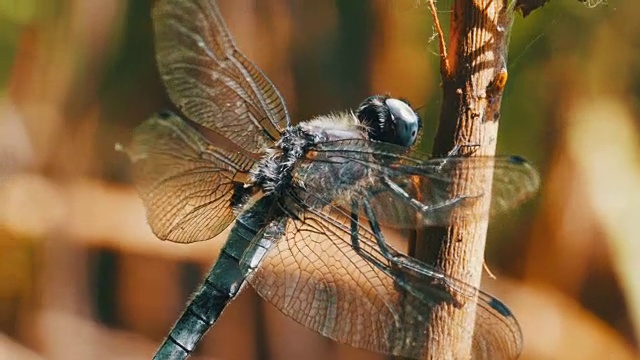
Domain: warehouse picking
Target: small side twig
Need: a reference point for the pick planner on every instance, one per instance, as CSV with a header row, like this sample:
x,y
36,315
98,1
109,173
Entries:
x,y
444,61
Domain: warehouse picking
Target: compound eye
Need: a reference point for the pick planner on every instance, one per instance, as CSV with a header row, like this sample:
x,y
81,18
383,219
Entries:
x,y
405,121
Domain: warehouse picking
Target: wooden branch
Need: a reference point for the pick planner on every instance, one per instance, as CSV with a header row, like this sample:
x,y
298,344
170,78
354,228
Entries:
x,y
472,92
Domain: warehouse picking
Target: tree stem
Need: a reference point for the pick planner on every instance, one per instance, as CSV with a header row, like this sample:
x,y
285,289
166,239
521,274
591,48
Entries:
x,y
473,82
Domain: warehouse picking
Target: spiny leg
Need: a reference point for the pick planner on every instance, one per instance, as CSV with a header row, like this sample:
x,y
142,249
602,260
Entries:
x,y
420,207
404,268
355,241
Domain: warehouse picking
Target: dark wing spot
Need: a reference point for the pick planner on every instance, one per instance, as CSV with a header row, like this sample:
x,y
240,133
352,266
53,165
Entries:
x,y
518,160
165,114
498,306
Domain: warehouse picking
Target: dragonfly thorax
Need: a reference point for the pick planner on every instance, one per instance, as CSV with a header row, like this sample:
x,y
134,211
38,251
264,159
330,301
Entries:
x,y
378,118
274,173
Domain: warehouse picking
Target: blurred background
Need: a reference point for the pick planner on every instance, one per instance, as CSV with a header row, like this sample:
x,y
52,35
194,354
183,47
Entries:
x,y
82,277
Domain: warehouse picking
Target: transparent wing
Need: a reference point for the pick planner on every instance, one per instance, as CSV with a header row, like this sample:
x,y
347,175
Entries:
x,y
411,190
186,183
314,275
210,80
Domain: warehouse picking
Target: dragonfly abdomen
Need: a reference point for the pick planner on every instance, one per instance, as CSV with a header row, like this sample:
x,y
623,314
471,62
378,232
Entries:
x,y
221,285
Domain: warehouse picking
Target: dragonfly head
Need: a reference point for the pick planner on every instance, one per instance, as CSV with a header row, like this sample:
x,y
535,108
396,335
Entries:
x,y
390,120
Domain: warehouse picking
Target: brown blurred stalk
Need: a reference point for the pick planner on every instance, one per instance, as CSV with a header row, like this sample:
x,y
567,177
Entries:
x,y
611,178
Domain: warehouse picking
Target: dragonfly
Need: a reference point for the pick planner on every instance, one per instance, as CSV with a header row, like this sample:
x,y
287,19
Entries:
x,y
308,203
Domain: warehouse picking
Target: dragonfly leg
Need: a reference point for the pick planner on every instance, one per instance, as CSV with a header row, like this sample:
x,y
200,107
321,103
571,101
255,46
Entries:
x,y
401,267
387,252
422,208
355,241
457,149
404,268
